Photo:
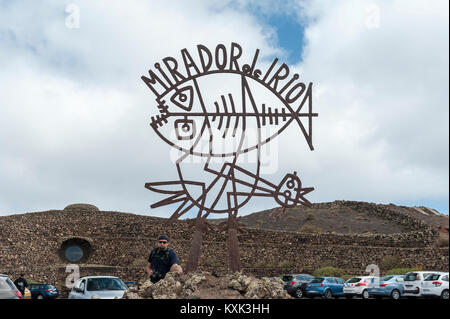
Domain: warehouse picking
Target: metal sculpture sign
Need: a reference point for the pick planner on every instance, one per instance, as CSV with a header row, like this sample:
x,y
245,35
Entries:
x,y
224,113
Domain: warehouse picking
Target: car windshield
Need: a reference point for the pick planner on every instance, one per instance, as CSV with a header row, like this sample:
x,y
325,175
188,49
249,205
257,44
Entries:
x,y
353,280
288,278
387,278
7,284
432,277
3,284
101,284
317,280
411,277
305,277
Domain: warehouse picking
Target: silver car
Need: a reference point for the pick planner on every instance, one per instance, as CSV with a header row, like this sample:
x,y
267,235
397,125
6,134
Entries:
x,y
7,289
98,287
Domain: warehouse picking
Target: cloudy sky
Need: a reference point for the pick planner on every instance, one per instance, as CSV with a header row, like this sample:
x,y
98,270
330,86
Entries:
x,y
74,113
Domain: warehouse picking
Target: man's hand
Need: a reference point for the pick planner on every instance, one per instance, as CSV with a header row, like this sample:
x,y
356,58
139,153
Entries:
x,y
176,269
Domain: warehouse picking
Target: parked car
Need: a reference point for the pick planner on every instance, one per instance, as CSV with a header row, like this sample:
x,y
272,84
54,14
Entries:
x,y
295,284
130,283
436,285
98,287
7,288
326,287
388,286
43,291
413,283
358,286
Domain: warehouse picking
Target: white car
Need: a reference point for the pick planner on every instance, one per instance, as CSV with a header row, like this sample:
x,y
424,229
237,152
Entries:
x,y
436,285
7,289
358,286
98,287
414,282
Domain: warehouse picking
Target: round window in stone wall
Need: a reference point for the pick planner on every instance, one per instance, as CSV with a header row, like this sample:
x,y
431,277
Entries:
x,y
75,250
73,253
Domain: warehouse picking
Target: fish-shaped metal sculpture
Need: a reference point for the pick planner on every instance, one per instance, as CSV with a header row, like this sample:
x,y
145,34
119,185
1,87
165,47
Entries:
x,y
220,115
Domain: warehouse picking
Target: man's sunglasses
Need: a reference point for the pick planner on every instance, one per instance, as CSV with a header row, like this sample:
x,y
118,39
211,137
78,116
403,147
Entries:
x,y
163,242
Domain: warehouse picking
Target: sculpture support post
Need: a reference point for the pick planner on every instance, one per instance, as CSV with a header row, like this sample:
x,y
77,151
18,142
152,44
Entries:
x,y
194,254
233,244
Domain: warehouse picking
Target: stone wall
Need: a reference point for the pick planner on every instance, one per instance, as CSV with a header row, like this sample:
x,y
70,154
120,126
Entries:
x,y
265,260
120,244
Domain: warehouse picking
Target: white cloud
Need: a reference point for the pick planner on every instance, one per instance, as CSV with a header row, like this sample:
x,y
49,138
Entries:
x,y
382,98
74,112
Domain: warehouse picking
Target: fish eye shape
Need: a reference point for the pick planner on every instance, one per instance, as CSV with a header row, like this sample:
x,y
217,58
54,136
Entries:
x,y
185,129
183,98
290,184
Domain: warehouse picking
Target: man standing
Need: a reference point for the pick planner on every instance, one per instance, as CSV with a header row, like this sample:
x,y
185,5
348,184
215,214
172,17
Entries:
x,y
21,284
162,259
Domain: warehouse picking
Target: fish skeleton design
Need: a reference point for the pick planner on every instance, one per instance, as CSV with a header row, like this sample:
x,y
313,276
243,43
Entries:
x,y
220,114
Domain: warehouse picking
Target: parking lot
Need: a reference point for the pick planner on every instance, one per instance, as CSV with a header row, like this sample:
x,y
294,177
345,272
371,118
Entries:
x,y
418,284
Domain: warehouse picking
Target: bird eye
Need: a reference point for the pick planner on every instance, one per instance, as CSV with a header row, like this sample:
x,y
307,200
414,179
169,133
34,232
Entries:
x,y
185,129
183,98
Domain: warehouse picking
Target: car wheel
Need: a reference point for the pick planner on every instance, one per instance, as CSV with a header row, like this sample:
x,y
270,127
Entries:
x,y
299,293
395,294
328,294
40,297
444,295
365,294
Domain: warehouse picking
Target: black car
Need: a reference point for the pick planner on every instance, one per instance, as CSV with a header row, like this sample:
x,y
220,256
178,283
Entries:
x,y
295,284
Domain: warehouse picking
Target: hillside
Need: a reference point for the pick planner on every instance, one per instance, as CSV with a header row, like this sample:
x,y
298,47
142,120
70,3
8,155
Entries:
x,y
340,218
